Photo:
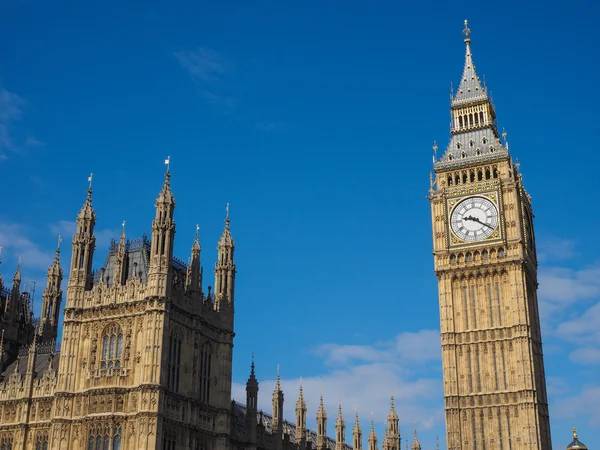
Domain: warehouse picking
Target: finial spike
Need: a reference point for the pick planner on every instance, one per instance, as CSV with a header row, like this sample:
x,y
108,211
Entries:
x,y
227,211
90,180
168,163
123,227
575,433
467,32
57,246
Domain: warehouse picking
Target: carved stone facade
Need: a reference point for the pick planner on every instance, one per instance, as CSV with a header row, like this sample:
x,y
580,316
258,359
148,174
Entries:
x,y
485,262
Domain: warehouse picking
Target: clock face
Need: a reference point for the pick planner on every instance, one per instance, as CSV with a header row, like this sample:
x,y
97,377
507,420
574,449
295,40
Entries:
x,y
474,219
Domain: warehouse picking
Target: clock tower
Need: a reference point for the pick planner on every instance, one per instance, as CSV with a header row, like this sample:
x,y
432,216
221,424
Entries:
x,y
486,266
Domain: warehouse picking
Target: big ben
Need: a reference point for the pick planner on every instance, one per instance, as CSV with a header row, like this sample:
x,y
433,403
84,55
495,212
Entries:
x,y
486,265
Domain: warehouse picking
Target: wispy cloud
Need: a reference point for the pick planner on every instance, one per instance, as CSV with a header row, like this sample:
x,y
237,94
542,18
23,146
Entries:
x,y
15,241
209,70
366,376
11,110
554,248
561,287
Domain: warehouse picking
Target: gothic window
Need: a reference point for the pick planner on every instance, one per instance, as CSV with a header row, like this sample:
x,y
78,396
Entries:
x,y
491,149
205,363
484,140
460,121
501,252
117,438
174,361
472,173
463,155
458,145
449,156
478,152
41,442
453,259
471,143
112,347
495,172
169,440
481,116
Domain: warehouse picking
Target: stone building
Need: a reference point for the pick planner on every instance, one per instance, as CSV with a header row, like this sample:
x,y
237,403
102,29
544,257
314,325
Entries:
x,y
486,265
145,358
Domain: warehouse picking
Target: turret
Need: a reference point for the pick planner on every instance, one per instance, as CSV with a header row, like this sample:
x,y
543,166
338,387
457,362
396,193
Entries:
x,y
225,268
372,436
83,247
576,444
277,424
194,273
163,235
251,405
416,445
13,304
51,300
300,418
340,430
356,434
393,430
321,426
120,272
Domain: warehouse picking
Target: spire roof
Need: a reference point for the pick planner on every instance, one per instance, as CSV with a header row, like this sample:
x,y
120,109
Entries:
x,y
55,267
196,245
17,277
166,195
252,378
300,403
576,444
226,239
87,210
416,445
470,88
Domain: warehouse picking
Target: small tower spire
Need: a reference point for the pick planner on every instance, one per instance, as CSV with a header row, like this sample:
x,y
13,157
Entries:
x,y
225,267
277,423
163,236
194,276
83,247
300,417
340,429
120,271
51,299
321,425
372,436
416,445
393,438
356,433
251,404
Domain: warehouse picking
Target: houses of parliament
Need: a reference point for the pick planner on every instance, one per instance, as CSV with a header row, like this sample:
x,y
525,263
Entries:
x,y
145,360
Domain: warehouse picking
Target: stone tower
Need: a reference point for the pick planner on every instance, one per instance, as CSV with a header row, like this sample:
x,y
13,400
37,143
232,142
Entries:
x,y
485,262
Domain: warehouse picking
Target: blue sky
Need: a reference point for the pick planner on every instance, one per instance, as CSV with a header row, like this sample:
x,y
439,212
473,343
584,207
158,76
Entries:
x,y
315,121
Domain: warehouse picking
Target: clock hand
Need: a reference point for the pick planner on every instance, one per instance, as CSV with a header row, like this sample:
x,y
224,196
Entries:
x,y
475,219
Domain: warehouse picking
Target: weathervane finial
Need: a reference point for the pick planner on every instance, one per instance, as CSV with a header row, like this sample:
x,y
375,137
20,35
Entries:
x,y
168,163
90,180
467,32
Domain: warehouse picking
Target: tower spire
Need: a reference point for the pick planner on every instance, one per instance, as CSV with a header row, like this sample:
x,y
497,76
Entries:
x,y
356,432
51,299
194,276
83,247
225,267
277,423
300,417
163,236
321,425
340,428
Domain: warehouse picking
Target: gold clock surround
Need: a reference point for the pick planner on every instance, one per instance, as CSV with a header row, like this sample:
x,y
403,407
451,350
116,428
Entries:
x,y
496,234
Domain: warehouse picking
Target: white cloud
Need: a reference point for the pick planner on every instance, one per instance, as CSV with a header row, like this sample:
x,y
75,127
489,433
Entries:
x,y
586,356
366,376
553,248
561,287
14,240
586,404
582,329
209,70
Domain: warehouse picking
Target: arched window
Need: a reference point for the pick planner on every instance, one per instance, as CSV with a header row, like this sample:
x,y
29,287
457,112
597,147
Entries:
x,y
41,441
174,361
205,363
112,347
117,438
